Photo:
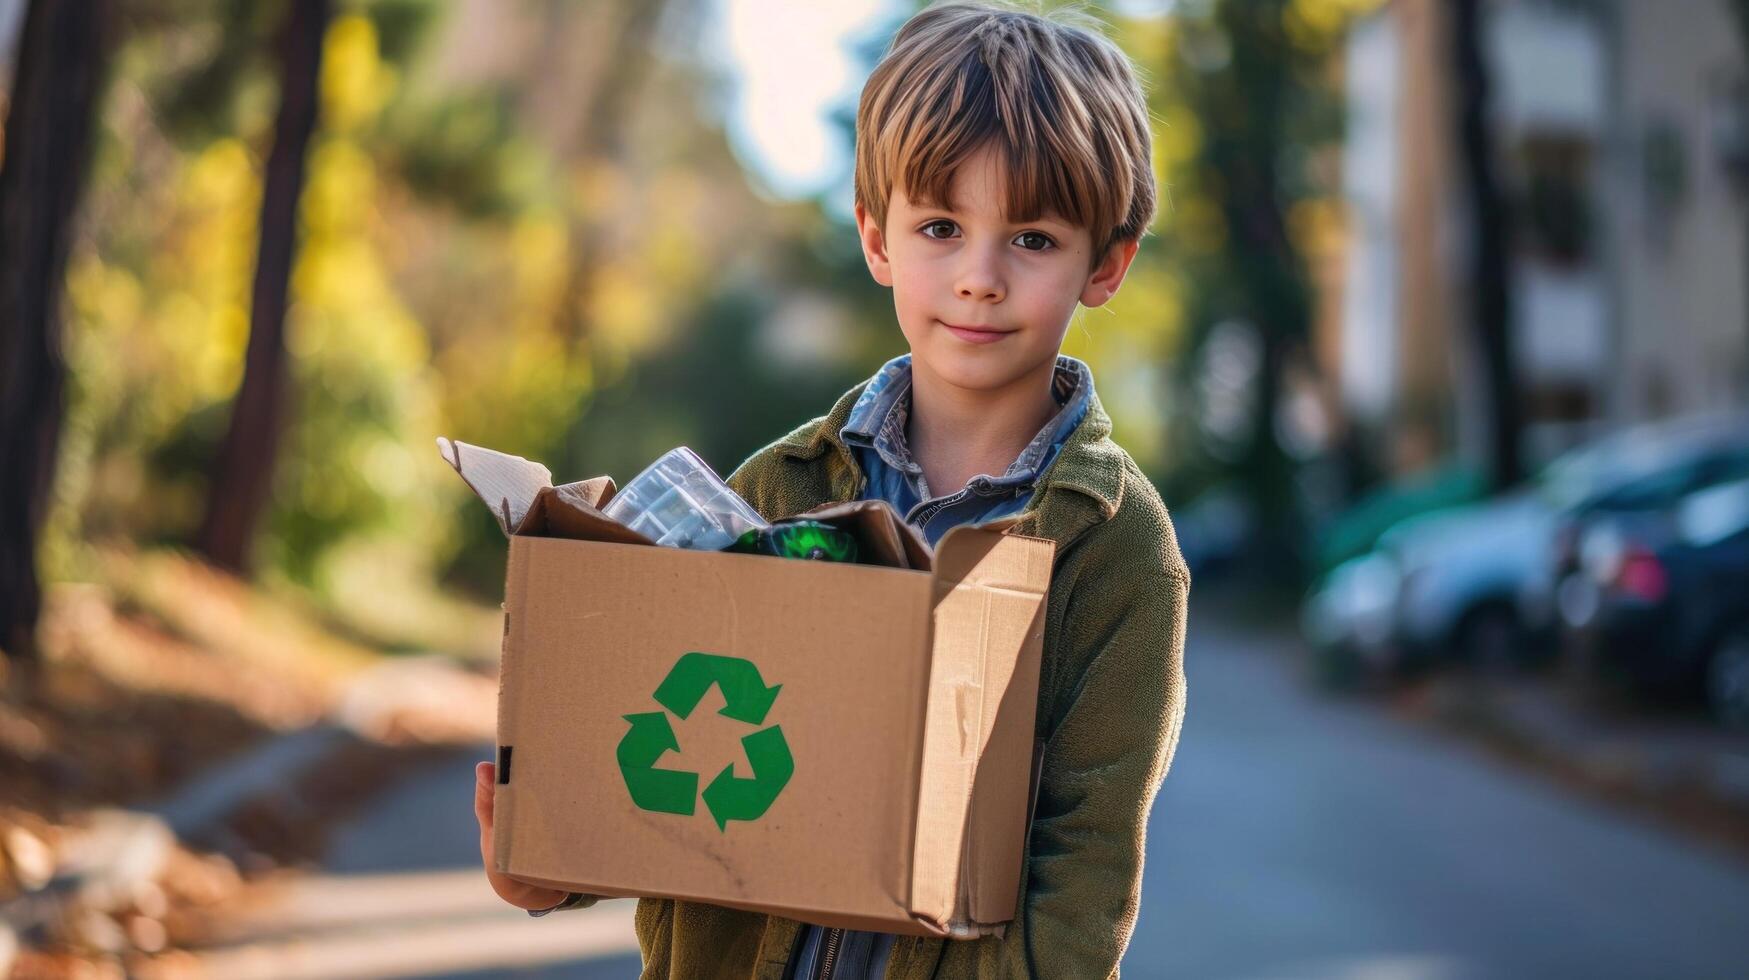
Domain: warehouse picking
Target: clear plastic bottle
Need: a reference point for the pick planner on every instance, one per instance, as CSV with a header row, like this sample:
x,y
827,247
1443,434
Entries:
x,y
680,502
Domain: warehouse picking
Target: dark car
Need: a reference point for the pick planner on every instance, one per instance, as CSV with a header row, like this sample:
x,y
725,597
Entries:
x,y
1478,584
1649,500
1660,601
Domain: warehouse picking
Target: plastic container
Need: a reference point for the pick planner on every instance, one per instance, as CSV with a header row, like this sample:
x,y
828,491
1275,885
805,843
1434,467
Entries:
x,y
679,502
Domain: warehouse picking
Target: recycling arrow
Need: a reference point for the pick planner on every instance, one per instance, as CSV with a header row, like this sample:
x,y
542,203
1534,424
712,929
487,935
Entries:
x,y
744,692
730,797
661,790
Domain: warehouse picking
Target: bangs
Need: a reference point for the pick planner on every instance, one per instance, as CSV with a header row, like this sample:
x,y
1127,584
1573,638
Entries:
x,y
1039,172
1051,102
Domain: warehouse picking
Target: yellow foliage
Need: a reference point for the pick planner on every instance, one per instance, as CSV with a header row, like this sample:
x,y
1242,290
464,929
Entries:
x,y
214,372
1315,226
340,192
106,297
1315,23
540,259
1125,342
355,83
623,309
1178,134
1200,225
222,175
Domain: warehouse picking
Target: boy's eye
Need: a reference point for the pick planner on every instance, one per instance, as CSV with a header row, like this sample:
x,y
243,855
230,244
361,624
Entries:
x,y
1033,241
940,228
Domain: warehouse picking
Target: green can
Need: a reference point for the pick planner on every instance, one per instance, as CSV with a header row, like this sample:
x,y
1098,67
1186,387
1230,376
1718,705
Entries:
x,y
807,540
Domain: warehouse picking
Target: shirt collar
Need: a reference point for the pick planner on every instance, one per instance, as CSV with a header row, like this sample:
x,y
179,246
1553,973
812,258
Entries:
x,y
878,417
877,420
1081,488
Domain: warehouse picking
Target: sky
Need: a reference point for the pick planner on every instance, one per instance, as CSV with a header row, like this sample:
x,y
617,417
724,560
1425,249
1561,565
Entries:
x,y
794,64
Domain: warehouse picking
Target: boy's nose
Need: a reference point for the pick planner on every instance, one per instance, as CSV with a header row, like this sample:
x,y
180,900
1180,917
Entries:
x,y
980,281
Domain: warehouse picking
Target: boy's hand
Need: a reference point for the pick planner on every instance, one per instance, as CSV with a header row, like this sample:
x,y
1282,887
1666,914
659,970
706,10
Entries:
x,y
518,893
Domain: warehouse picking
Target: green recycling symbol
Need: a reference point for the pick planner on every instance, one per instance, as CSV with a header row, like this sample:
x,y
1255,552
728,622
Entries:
x,y
729,797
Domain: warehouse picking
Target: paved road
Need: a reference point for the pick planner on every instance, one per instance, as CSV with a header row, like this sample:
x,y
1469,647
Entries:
x,y
1298,837
1295,838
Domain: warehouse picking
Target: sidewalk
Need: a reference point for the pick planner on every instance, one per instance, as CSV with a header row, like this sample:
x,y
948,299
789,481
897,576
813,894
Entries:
x,y
410,924
1681,770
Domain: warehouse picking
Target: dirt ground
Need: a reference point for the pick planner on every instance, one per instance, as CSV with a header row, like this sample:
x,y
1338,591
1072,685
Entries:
x,y
146,681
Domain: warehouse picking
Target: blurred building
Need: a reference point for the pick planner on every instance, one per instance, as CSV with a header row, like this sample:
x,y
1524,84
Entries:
x,y
1619,127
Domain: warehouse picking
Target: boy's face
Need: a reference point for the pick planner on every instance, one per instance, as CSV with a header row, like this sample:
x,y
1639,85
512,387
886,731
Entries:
x,y
984,301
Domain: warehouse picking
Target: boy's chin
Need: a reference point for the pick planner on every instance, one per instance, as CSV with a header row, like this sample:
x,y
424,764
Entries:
x,y
975,370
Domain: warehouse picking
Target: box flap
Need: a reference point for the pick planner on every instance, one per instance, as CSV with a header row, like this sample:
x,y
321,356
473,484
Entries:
x,y
522,497
508,484
883,533
567,512
594,492
988,622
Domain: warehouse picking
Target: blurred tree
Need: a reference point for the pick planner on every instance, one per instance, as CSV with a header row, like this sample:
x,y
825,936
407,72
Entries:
x,y
1243,83
600,146
202,101
1490,305
63,61
243,477
426,296
611,100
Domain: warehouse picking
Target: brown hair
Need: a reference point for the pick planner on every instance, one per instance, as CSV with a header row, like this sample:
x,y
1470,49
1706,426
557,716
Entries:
x,y
1056,99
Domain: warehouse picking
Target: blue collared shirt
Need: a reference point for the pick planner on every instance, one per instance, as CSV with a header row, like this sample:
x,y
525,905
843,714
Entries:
x,y
875,432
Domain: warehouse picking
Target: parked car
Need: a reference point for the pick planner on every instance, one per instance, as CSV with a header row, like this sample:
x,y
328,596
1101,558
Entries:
x,y
1356,530
1648,505
1660,599
1476,583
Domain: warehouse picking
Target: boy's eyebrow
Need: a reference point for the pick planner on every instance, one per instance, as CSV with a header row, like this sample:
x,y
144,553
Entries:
x,y
1046,217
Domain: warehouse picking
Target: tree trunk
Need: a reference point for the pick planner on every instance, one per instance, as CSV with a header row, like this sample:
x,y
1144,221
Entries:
x,y
63,58
1272,292
243,479
1490,307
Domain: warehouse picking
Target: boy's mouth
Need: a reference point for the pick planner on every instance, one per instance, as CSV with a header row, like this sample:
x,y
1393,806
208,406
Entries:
x,y
975,335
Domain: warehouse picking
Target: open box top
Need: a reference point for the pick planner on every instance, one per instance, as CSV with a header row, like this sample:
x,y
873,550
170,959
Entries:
x,y
975,755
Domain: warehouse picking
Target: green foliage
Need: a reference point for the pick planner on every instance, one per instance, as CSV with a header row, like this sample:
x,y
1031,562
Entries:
x,y
464,150
1248,104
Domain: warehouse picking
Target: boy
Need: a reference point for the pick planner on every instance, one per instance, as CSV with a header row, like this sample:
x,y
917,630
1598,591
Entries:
x,y
1002,177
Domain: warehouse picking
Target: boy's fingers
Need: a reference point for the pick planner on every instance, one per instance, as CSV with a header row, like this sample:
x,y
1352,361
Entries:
x,y
483,796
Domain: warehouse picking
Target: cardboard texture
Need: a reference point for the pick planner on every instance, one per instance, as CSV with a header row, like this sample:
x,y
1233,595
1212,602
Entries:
x,y
848,745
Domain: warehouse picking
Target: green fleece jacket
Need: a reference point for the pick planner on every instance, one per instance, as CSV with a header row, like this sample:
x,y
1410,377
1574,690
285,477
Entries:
x,y
1110,705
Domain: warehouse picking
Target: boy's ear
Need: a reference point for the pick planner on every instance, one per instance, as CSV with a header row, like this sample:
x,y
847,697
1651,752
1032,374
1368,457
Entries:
x,y
1103,281
874,246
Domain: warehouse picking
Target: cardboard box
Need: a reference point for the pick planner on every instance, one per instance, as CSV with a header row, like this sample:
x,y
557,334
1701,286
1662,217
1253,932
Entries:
x,y
847,745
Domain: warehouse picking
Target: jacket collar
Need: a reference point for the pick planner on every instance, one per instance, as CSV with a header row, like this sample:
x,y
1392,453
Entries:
x,y
1083,486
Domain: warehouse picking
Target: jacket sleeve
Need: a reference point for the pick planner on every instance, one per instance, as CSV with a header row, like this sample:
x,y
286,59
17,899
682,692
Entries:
x,y
654,925
1115,711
